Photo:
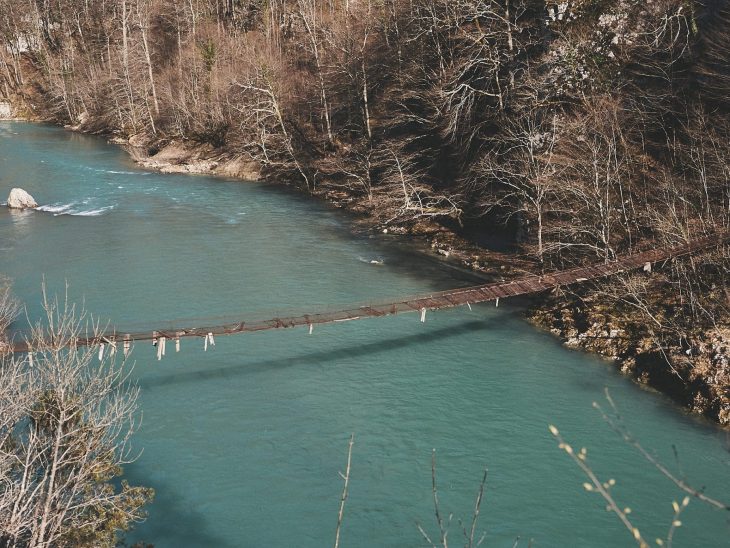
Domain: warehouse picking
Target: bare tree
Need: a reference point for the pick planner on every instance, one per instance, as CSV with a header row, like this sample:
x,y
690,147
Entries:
x,y
595,163
65,428
308,13
263,110
404,194
522,179
144,8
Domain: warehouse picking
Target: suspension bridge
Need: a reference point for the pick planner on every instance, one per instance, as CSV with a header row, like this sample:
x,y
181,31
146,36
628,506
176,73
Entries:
x,y
421,304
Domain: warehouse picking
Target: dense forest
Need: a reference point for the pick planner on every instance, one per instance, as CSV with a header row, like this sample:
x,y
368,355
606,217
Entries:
x,y
580,130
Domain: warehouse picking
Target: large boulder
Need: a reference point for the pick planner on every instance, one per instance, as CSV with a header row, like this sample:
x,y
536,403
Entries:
x,y
20,199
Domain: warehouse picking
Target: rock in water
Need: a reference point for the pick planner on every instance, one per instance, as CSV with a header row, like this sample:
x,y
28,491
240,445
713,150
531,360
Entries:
x,y
20,199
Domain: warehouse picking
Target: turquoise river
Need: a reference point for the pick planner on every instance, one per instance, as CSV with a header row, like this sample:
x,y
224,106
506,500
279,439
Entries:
x,y
243,443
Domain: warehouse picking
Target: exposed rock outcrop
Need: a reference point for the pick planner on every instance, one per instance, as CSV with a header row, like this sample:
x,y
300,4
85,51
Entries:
x,y
188,157
695,373
20,199
6,110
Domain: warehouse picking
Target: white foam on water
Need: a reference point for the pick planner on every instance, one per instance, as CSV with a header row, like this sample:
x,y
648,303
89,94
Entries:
x,y
68,209
56,209
117,172
379,261
92,212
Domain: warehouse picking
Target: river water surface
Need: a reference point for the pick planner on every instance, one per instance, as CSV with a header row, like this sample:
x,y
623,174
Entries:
x,y
243,443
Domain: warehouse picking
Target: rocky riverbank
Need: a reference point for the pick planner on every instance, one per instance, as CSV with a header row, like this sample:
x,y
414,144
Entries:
x,y
6,110
183,157
694,371
9,111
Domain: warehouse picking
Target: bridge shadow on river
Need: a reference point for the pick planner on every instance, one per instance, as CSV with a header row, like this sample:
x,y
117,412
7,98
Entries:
x,y
322,357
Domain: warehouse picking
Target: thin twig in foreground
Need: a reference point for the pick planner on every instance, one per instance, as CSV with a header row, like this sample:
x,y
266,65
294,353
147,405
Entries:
x,y
599,487
346,478
620,428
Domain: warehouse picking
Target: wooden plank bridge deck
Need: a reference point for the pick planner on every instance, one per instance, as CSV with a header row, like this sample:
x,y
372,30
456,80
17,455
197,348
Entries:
x,y
526,285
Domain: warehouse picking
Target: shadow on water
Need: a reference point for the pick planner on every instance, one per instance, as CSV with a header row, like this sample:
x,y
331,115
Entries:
x,y
182,525
326,356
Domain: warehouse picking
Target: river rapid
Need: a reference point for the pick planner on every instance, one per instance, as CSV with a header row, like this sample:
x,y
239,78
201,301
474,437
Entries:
x,y
243,443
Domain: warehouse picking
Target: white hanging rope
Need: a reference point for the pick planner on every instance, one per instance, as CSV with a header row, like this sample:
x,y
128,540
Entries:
x,y
112,347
